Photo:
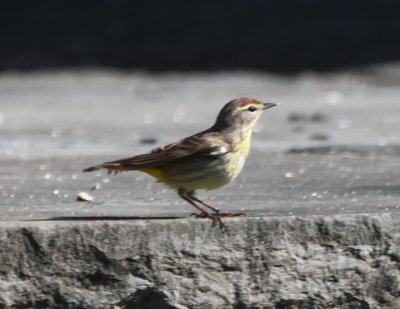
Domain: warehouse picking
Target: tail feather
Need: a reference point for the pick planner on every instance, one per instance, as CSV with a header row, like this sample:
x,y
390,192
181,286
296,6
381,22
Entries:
x,y
110,167
92,168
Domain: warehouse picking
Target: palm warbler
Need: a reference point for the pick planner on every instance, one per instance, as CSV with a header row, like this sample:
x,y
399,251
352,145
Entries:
x,y
206,160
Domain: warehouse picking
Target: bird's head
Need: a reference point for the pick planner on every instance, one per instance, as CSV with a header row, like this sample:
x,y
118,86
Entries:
x,y
241,114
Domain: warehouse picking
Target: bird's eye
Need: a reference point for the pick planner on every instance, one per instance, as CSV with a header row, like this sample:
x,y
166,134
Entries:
x,y
252,109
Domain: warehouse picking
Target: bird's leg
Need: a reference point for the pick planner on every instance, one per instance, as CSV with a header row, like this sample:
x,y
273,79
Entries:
x,y
216,211
191,194
184,195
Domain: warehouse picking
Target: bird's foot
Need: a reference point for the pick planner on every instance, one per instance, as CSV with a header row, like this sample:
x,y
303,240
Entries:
x,y
200,215
217,218
229,215
217,215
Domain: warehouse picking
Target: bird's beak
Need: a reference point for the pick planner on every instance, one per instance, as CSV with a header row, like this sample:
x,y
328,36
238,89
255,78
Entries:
x,y
269,105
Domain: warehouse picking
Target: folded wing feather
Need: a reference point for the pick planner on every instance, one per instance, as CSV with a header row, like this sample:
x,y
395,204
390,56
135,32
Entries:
x,y
209,146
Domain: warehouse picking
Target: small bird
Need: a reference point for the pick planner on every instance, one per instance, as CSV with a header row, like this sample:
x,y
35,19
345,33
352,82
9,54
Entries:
x,y
206,160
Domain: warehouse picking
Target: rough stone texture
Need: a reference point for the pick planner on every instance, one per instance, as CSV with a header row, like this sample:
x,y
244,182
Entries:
x,y
281,262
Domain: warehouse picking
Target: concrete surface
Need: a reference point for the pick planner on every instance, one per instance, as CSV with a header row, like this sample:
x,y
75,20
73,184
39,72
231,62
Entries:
x,y
331,148
56,123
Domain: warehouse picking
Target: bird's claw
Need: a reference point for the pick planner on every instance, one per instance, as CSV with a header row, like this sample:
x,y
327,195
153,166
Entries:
x,y
229,215
200,215
217,216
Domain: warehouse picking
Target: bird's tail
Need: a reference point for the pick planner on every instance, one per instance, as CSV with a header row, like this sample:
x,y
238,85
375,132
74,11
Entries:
x,y
93,168
110,167
130,164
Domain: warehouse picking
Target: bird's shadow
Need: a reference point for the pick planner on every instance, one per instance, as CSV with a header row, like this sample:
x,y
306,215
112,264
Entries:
x,y
103,218
214,223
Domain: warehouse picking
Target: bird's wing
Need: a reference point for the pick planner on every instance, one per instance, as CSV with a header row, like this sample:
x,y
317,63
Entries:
x,y
206,144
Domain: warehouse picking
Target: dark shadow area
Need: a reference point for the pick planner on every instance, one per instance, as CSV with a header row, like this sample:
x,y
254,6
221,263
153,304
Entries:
x,y
101,218
146,298
281,36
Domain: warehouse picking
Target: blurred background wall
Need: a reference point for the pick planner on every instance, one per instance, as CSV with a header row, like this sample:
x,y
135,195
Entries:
x,y
282,36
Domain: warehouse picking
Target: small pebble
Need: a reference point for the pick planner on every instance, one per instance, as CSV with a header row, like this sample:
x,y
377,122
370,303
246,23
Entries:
x,y
300,117
295,117
319,137
147,140
318,117
97,186
84,197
